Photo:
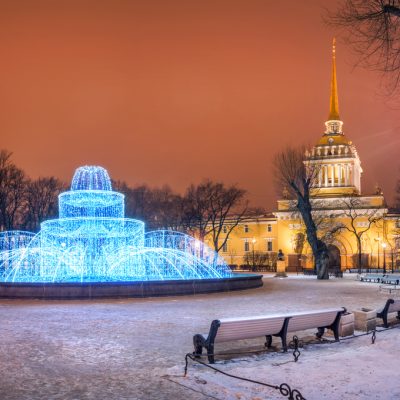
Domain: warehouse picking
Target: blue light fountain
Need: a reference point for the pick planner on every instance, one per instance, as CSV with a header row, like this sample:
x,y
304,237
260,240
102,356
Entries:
x,y
93,244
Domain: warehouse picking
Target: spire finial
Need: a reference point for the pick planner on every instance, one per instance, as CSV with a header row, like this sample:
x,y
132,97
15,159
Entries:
x,y
334,101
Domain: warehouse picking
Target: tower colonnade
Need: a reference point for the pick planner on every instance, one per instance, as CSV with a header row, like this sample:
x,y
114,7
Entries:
x,y
335,175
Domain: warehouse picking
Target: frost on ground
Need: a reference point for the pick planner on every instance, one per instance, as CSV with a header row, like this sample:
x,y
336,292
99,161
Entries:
x,y
134,349
352,369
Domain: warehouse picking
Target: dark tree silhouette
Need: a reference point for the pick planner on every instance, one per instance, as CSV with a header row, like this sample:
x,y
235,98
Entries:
x,y
372,28
299,182
211,206
12,193
42,201
160,208
361,219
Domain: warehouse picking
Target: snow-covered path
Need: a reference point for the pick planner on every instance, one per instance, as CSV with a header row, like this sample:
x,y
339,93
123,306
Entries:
x,y
134,349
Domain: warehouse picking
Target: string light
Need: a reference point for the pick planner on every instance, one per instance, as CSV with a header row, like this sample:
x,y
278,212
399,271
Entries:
x,y
93,242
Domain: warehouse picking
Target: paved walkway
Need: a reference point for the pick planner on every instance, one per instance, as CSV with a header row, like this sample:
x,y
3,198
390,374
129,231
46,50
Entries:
x,y
120,349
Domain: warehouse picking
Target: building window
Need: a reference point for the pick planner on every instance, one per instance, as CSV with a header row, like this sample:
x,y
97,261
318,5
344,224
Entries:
x,y
269,245
246,228
225,229
225,247
246,246
269,228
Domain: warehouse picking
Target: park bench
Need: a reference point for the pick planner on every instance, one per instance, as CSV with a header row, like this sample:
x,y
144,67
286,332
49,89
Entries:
x,y
391,279
371,277
391,289
391,306
278,325
365,270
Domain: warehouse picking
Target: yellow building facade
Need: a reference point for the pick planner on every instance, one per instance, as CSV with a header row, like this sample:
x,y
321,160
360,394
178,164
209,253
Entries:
x,y
342,212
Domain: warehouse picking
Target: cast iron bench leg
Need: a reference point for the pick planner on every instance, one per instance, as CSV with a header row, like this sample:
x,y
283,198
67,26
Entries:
x,y
320,333
198,344
268,343
210,353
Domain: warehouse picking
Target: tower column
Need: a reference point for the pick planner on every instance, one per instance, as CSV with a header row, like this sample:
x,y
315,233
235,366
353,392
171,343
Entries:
x,y
333,174
340,166
351,177
320,177
326,175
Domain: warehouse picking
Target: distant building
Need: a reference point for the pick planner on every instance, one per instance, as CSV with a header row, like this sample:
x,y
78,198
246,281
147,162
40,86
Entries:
x,y
337,200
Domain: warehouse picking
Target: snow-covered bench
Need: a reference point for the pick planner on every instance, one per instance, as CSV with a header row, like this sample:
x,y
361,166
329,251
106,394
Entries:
x,y
371,277
229,329
391,279
391,306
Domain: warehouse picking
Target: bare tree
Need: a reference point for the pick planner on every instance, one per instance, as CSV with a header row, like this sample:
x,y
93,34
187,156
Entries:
x,y
160,208
256,259
392,235
372,28
42,201
214,209
397,196
299,181
12,192
361,218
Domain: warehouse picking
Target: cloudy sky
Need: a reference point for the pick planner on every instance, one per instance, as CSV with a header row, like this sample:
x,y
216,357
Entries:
x,y
174,91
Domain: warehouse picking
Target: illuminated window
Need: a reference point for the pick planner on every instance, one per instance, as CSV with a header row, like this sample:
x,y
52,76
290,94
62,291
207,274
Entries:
x,y
269,228
246,228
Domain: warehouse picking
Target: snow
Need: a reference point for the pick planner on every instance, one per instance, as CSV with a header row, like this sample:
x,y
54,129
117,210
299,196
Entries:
x,y
135,348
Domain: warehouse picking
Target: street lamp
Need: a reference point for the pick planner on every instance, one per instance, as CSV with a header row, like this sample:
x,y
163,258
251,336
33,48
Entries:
x,y
253,242
392,256
384,257
378,239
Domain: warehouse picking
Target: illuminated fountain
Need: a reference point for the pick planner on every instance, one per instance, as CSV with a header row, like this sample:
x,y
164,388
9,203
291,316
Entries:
x,y
92,244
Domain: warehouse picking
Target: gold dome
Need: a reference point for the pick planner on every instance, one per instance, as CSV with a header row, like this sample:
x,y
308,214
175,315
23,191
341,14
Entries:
x,y
334,140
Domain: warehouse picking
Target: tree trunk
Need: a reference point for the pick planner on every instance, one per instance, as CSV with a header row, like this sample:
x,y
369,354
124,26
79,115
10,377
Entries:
x,y
359,250
322,262
319,248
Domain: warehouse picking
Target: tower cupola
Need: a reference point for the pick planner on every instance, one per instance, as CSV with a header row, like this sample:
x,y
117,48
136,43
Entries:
x,y
334,157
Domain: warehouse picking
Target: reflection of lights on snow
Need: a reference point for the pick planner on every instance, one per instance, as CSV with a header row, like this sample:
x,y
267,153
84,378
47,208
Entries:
x,y
92,241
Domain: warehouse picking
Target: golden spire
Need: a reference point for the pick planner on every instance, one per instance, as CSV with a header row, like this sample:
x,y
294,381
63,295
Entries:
x,y
334,101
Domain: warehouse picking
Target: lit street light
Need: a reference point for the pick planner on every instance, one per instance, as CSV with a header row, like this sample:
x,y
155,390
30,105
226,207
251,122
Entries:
x,y
378,239
384,257
253,242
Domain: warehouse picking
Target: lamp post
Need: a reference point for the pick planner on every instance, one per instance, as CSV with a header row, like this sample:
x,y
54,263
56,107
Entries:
x,y
378,239
384,257
391,253
253,242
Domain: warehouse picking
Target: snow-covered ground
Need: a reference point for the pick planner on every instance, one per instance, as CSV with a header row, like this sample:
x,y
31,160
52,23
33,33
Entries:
x,y
134,349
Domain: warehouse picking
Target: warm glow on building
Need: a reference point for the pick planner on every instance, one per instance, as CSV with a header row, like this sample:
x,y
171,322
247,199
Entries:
x,y
338,179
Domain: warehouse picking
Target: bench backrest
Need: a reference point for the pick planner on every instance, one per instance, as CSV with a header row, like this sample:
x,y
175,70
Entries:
x,y
394,276
395,306
312,319
253,327
248,328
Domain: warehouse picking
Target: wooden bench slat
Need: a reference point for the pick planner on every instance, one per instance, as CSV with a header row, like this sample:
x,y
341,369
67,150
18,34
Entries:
x,y
229,329
248,329
303,322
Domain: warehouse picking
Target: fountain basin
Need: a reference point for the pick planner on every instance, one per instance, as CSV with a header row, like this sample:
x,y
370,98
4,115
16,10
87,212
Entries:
x,y
96,290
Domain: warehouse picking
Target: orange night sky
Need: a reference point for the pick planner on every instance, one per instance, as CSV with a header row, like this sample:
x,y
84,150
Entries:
x,y
173,91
